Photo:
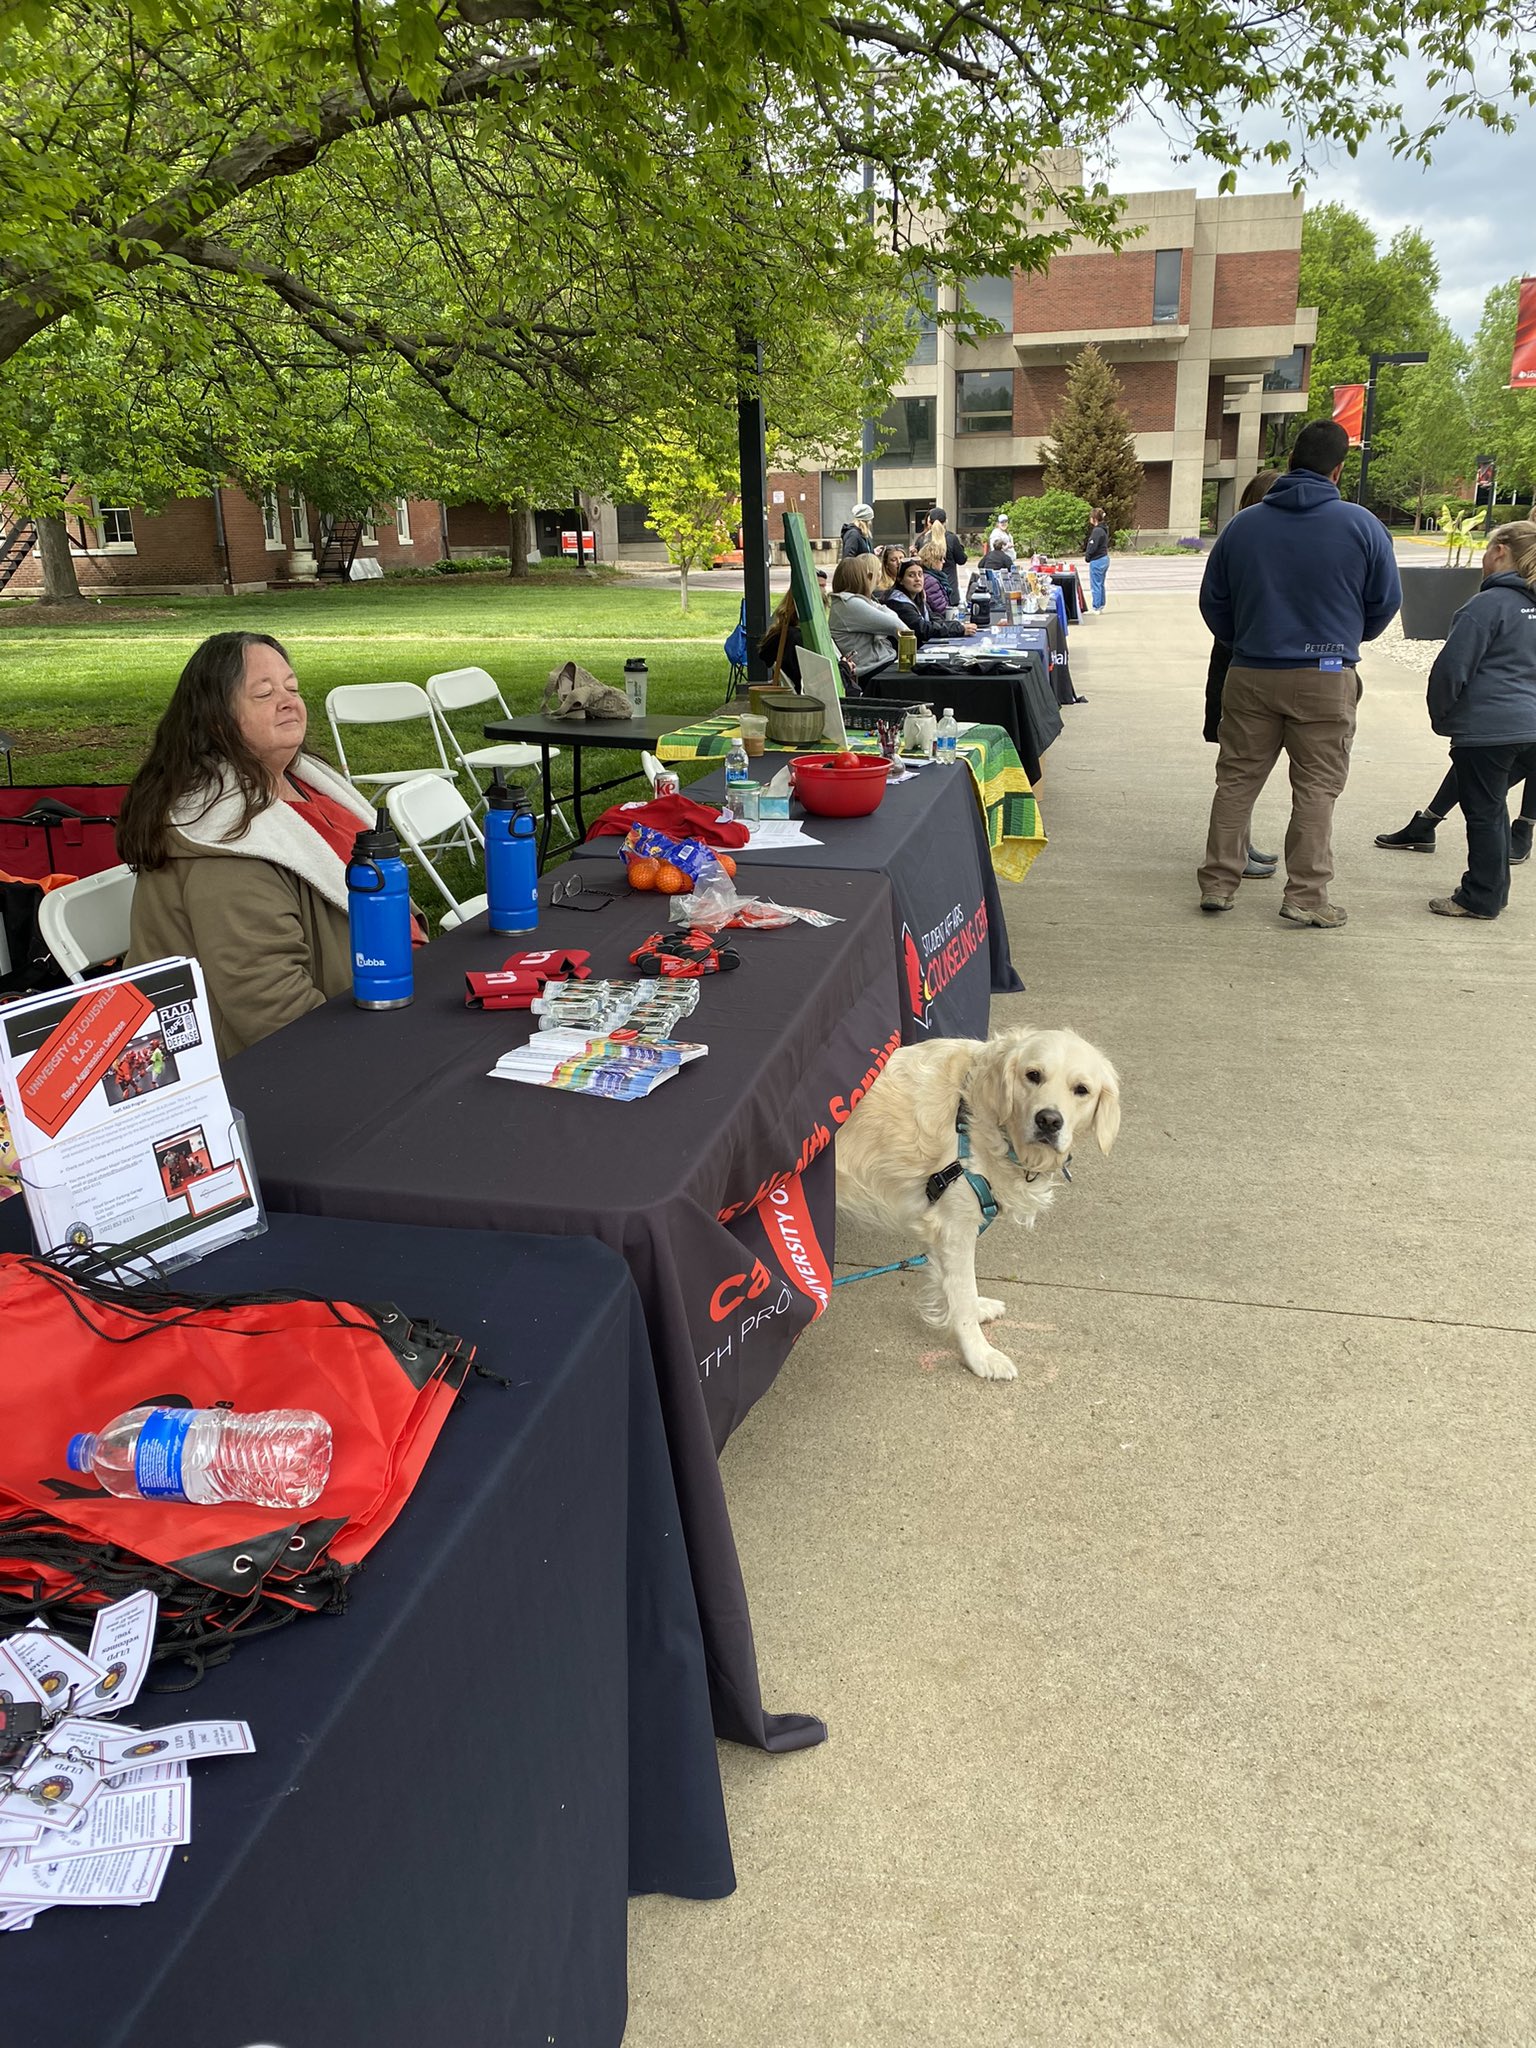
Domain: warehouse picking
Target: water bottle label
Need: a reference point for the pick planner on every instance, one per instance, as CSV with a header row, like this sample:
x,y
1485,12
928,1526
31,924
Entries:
x,y
157,1454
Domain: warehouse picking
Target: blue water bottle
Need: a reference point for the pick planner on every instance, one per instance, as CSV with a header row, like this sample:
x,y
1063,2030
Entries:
x,y
511,859
379,919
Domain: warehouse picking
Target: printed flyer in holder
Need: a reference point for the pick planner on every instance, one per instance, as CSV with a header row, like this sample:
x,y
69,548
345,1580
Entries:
x,y
123,1132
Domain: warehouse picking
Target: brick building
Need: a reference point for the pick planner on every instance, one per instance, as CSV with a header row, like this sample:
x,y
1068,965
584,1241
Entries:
x,y
1198,316
180,549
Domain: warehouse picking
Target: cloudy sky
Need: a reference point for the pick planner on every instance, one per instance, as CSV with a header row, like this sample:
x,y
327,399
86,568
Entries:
x,y
1475,203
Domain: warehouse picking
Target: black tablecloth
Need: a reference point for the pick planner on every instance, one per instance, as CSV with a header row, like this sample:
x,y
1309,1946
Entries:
x,y
456,1781
930,838
718,1190
1006,686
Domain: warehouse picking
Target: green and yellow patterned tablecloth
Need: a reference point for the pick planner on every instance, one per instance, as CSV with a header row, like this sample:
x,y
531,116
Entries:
x,y
1014,829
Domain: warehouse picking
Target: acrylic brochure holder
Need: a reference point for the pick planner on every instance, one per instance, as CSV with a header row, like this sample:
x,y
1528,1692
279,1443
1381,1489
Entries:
x,y
127,1148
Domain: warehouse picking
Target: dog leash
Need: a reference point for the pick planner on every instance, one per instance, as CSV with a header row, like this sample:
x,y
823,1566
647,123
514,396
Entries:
x,y
935,1186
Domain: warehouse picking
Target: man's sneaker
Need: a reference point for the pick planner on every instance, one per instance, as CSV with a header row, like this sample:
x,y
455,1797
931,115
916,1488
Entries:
x,y
1520,841
1267,860
1417,836
1327,917
1214,903
1259,868
1447,906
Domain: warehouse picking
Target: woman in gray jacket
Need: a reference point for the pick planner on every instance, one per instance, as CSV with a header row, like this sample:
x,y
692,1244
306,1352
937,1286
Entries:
x,y
864,630
1482,696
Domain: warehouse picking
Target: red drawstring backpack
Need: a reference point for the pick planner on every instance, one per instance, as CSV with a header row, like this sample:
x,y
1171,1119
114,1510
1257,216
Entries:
x,y
79,1351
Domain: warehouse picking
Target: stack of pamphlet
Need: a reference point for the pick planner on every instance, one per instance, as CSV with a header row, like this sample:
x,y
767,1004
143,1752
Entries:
x,y
91,1812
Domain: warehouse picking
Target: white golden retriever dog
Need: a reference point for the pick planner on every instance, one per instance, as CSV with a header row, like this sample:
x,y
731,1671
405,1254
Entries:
x,y
1026,1099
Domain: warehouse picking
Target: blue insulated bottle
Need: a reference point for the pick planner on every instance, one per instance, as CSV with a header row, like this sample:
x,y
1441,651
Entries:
x,y
379,919
511,859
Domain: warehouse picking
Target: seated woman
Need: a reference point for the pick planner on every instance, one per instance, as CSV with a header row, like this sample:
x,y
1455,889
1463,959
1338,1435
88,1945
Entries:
x,y
780,645
891,560
864,630
240,841
910,602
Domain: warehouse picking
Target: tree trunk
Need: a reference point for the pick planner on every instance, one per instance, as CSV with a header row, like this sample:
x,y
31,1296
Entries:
x,y
584,526
683,568
519,539
60,584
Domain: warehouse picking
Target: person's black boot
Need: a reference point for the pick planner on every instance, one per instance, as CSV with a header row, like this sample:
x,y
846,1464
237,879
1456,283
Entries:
x,y
1417,836
1520,841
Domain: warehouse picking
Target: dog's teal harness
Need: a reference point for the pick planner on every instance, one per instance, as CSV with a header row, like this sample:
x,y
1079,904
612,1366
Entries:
x,y
945,1178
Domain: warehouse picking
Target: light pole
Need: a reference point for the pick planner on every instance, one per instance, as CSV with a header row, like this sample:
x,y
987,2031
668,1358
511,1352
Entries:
x,y
1411,356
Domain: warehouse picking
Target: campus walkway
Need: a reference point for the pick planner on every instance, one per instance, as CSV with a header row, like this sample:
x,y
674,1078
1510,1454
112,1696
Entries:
x,y
1180,1691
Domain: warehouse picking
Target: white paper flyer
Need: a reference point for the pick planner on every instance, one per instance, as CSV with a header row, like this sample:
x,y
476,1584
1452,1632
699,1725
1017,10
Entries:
x,y
123,1131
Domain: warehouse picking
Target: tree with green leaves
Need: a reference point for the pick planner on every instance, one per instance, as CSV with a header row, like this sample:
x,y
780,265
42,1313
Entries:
x,y
1091,451
690,501
1503,421
1429,446
1052,524
139,136
1369,301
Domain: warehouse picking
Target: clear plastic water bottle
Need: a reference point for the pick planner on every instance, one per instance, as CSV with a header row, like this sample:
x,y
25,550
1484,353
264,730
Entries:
x,y
637,682
738,774
946,740
279,1458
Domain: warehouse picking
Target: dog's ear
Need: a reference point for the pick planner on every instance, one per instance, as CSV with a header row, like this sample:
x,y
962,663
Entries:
x,y
1106,1115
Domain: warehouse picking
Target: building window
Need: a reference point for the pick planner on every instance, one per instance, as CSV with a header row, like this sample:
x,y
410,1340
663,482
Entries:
x,y
370,533
925,328
1167,285
114,526
635,528
1289,374
271,519
993,297
298,512
402,522
984,402
907,431
979,495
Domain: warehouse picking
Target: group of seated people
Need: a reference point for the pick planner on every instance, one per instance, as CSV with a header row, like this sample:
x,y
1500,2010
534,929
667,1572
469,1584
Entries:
x,y
873,599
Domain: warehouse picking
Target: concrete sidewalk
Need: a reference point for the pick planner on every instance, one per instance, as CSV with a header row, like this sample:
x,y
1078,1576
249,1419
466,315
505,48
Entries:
x,y
1179,1692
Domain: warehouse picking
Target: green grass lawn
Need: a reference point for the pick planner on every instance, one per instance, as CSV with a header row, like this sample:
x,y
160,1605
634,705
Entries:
x,y
81,700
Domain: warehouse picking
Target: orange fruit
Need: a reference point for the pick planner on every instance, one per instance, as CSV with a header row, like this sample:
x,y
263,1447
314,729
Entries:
x,y
672,881
727,863
643,872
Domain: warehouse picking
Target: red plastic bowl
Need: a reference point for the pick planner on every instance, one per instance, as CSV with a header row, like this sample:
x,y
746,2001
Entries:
x,y
840,792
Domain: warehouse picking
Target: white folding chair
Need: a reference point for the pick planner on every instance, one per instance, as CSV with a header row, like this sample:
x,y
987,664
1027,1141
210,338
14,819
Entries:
x,y
86,922
374,704
464,689
427,813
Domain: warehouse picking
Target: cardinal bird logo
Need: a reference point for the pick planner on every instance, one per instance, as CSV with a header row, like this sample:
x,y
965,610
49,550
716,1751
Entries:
x,y
917,988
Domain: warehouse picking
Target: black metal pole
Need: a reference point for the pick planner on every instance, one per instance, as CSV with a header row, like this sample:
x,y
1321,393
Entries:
x,y
751,441
1365,431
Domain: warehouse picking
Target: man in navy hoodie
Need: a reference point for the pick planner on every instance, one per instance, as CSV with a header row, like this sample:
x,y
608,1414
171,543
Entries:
x,y
1293,585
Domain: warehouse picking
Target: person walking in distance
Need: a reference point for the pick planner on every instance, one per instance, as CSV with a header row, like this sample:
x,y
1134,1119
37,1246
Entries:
x,y
1482,697
1096,555
856,536
1293,585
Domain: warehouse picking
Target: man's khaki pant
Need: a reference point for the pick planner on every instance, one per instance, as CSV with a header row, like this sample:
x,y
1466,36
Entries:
x,y
1310,714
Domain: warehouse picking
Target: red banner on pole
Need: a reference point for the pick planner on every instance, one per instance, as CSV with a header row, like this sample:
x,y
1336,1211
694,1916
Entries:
x,y
1349,410
1522,366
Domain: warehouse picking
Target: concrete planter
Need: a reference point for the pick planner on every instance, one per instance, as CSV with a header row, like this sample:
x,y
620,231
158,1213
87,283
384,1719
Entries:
x,y
1431,598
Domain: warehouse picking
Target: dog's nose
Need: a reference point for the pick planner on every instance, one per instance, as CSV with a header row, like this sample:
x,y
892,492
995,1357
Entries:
x,y
1049,1121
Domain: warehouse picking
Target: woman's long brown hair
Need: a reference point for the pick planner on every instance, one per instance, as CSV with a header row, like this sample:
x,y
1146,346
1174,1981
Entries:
x,y
196,745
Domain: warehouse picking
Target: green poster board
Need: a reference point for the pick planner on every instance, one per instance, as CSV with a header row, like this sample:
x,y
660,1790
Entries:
x,y
815,632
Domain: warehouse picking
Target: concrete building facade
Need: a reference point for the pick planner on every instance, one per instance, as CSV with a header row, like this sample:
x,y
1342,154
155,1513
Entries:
x,y
1199,318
